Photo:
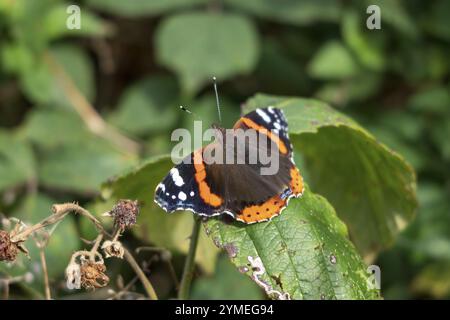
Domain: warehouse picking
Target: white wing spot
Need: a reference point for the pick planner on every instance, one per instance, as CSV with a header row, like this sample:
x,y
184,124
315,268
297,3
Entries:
x,y
277,125
173,197
176,177
192,193
162,187
182,196
263,115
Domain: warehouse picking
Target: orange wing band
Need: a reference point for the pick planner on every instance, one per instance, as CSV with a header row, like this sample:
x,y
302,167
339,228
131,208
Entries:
x,y
296,183
200,176
273,206
251,124
265,211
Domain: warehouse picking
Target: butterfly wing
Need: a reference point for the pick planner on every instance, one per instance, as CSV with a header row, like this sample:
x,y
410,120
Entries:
x,y
271,119
180,190
237,189
250,196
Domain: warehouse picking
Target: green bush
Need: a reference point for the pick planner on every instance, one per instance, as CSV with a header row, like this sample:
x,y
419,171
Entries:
x,y
86,116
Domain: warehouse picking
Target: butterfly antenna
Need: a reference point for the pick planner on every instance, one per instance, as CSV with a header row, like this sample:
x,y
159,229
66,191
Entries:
x,y
217,98
189,111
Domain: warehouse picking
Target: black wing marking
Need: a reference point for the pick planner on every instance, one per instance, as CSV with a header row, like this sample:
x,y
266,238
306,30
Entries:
x,y
179,191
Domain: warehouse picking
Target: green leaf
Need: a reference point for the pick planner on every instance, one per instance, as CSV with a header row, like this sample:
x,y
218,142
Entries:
x,y
432,100
171,231
437,22
198,46
17,163
145,103
42,86
371,187
434,279
72,158
82,166
16,58
51,128
305,252
279,70
26,17
54,24
395,14
341,93
333,61
439,134
139,8
366,45
297,12
392,139
226,283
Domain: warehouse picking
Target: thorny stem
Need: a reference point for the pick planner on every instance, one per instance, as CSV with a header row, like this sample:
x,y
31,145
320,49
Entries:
x,y
173,274
137,269
95,247
117,234
8,281
6,292
125,289
188,272
67,207
22,236
59,212
48,295
6,288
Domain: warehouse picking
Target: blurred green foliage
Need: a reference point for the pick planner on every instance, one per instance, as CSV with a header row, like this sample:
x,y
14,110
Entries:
x,y
135,61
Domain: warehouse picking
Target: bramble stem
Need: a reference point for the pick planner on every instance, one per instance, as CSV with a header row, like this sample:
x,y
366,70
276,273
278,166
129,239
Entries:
x,y
189,265
59,212
94,249
137,269
48,295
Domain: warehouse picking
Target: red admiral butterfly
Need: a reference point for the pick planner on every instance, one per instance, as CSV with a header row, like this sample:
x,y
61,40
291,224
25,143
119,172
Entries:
x,y
236,189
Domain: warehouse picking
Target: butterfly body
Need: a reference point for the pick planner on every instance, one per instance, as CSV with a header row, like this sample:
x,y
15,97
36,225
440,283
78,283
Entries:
x,y
236,185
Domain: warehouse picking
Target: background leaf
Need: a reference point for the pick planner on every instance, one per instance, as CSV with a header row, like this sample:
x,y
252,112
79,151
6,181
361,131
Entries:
x,y
16,161
138,8
152,99
232,43
298,12
83,166
333,61
42,85
54,24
